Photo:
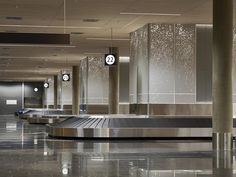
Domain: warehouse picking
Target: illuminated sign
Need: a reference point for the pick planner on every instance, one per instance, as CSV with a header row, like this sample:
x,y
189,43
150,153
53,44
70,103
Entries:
x,y
110,59
66,77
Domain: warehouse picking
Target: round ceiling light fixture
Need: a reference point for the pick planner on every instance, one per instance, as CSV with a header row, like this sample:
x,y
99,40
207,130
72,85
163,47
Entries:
x,y
46,85
36,89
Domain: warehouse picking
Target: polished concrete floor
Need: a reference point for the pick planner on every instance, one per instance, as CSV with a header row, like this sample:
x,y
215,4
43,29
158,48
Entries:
x,y
26,151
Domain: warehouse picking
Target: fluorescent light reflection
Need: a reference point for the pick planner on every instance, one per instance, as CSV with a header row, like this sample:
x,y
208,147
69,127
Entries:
x,y
45,153
11,126
98,159
65,171
35,141
96,116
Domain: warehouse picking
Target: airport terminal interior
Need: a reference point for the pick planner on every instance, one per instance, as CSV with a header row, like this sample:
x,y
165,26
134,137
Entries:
x,y
117,88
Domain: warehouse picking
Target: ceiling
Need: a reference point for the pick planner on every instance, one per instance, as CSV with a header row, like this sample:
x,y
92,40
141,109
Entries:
x,y
87,38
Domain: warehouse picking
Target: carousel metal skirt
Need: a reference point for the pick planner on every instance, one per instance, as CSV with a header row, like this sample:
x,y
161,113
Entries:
x,y
141,127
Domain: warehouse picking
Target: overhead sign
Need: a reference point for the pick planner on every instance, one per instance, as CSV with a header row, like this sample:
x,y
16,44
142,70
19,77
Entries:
x,y
110,59
34,38
65,77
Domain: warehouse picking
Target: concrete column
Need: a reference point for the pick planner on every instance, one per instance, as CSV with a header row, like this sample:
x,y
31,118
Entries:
x,y
222,74
75,90
55,91
45,93
114,84
23,95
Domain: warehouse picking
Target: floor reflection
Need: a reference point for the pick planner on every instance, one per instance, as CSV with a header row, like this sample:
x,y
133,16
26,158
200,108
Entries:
x,y
25,150
223,164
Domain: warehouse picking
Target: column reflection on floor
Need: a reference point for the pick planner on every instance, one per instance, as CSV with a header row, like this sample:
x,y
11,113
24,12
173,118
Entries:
x,y
223,163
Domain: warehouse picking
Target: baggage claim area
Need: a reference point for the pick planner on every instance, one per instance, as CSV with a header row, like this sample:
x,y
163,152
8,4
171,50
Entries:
x,y
117,88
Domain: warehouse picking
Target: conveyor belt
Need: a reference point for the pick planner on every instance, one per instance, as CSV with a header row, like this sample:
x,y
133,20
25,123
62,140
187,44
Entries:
x,y
135,123
162,126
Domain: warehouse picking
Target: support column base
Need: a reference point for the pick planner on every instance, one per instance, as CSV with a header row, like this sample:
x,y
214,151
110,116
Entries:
x,y
222,141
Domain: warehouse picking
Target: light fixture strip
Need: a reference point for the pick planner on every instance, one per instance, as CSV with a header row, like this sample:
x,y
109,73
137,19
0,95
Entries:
x,y
37,45
204,25
48,26
149,14
108,39
93,53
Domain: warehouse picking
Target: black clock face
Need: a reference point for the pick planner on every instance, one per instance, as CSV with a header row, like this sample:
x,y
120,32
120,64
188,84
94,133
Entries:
x,y
66,77
46,85
110,59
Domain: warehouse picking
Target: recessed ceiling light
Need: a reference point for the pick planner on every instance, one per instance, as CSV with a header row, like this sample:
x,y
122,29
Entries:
x,y
76,33
149,14
93,20
14,18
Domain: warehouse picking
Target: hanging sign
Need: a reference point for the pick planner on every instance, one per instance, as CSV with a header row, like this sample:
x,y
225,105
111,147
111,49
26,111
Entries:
x,y
110,59
65,77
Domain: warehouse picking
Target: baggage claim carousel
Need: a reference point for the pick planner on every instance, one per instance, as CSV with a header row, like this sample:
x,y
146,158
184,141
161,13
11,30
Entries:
x,y
44,116
47,119
133,127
